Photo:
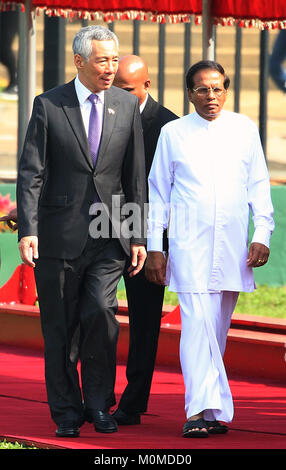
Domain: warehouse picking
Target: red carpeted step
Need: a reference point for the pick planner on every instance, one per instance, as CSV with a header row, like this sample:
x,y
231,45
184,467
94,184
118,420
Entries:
x,y
259,420
255,346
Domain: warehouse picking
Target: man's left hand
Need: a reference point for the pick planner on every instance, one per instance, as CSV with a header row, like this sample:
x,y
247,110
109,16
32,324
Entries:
x,y
258,255
138,256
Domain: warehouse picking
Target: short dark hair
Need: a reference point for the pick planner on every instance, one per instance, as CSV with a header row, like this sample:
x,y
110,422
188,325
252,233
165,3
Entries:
x,y
205,64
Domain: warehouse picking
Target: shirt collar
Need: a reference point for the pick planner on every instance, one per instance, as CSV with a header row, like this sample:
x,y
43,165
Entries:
x,y
205,122
83,92
142,105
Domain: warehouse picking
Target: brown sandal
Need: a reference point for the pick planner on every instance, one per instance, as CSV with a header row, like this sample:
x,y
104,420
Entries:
x,y
215,427
194,428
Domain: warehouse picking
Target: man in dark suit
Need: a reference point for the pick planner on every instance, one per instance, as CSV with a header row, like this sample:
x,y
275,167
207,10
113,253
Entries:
x,y
145,299
70,192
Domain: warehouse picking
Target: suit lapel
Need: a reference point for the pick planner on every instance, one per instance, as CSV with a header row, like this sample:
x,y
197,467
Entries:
x,y
149,114
71,108
110,112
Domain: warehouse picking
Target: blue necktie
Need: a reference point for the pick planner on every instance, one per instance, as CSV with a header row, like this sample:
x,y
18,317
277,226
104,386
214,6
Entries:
x,y
94,129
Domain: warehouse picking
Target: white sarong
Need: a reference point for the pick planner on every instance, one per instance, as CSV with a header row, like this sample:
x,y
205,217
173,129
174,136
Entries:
x,y
205,323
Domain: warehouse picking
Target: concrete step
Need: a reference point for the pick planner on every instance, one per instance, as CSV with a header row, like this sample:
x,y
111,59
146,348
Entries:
x,y
249,352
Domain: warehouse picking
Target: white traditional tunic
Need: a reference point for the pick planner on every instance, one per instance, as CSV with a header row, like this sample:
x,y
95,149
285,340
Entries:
x,y
205,178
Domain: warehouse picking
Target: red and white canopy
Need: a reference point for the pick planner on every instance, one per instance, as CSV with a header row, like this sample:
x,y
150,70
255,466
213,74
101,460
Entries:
x,y
265,14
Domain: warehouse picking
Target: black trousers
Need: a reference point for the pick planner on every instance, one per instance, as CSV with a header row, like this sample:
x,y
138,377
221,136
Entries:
x,y
145,302
78,297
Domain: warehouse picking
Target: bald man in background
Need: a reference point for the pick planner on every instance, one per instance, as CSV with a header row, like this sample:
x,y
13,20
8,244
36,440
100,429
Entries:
x,y
145,299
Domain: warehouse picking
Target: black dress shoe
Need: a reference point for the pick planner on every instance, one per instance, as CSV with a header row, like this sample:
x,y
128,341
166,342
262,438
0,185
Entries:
x,y
123,418
103,422
67,429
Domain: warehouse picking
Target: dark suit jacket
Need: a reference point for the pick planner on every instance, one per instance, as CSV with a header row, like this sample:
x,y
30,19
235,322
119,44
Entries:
x,y
154,117
57,180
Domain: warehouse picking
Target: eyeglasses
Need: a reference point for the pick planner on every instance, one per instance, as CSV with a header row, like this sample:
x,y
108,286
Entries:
x,y
204,91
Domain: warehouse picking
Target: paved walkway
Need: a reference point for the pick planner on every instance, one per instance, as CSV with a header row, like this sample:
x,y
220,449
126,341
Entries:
x,y
276,129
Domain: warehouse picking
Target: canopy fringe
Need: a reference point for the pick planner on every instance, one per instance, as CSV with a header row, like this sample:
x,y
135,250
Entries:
x,y
162,18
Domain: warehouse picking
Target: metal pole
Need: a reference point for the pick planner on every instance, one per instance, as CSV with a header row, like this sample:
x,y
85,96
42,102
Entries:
x,y
208,32
187,61
26,71
161,74
54,52
136,39
237,75
214,41
111,26
31,57
22,83
263,87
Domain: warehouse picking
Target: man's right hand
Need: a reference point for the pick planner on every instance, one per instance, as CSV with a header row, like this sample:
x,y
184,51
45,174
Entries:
x,y
155,267
28,247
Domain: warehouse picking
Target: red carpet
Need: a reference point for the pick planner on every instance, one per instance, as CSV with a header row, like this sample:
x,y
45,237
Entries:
x,y
259,423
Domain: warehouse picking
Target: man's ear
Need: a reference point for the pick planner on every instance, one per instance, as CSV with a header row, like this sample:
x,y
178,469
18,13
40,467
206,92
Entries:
x,y
190,95
147,84
78,61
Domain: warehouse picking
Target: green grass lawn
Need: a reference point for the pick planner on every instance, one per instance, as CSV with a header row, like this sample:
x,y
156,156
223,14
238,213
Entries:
x,y
265,301
13,445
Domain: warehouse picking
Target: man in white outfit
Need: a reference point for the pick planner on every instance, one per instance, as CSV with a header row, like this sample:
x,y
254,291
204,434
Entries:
x,y
208,175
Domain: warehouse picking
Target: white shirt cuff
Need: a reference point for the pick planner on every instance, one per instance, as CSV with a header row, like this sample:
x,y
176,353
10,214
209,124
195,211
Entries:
x,y
261,235
155,244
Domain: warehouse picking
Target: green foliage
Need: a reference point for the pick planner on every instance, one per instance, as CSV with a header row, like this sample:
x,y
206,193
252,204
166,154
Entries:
x,y
14,445
265,301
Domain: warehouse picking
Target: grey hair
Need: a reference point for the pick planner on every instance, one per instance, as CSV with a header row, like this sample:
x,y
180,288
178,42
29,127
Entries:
x,y
83,39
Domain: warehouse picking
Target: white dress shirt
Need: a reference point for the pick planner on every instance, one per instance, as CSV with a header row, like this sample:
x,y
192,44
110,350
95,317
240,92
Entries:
x,y
205,178
85,105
